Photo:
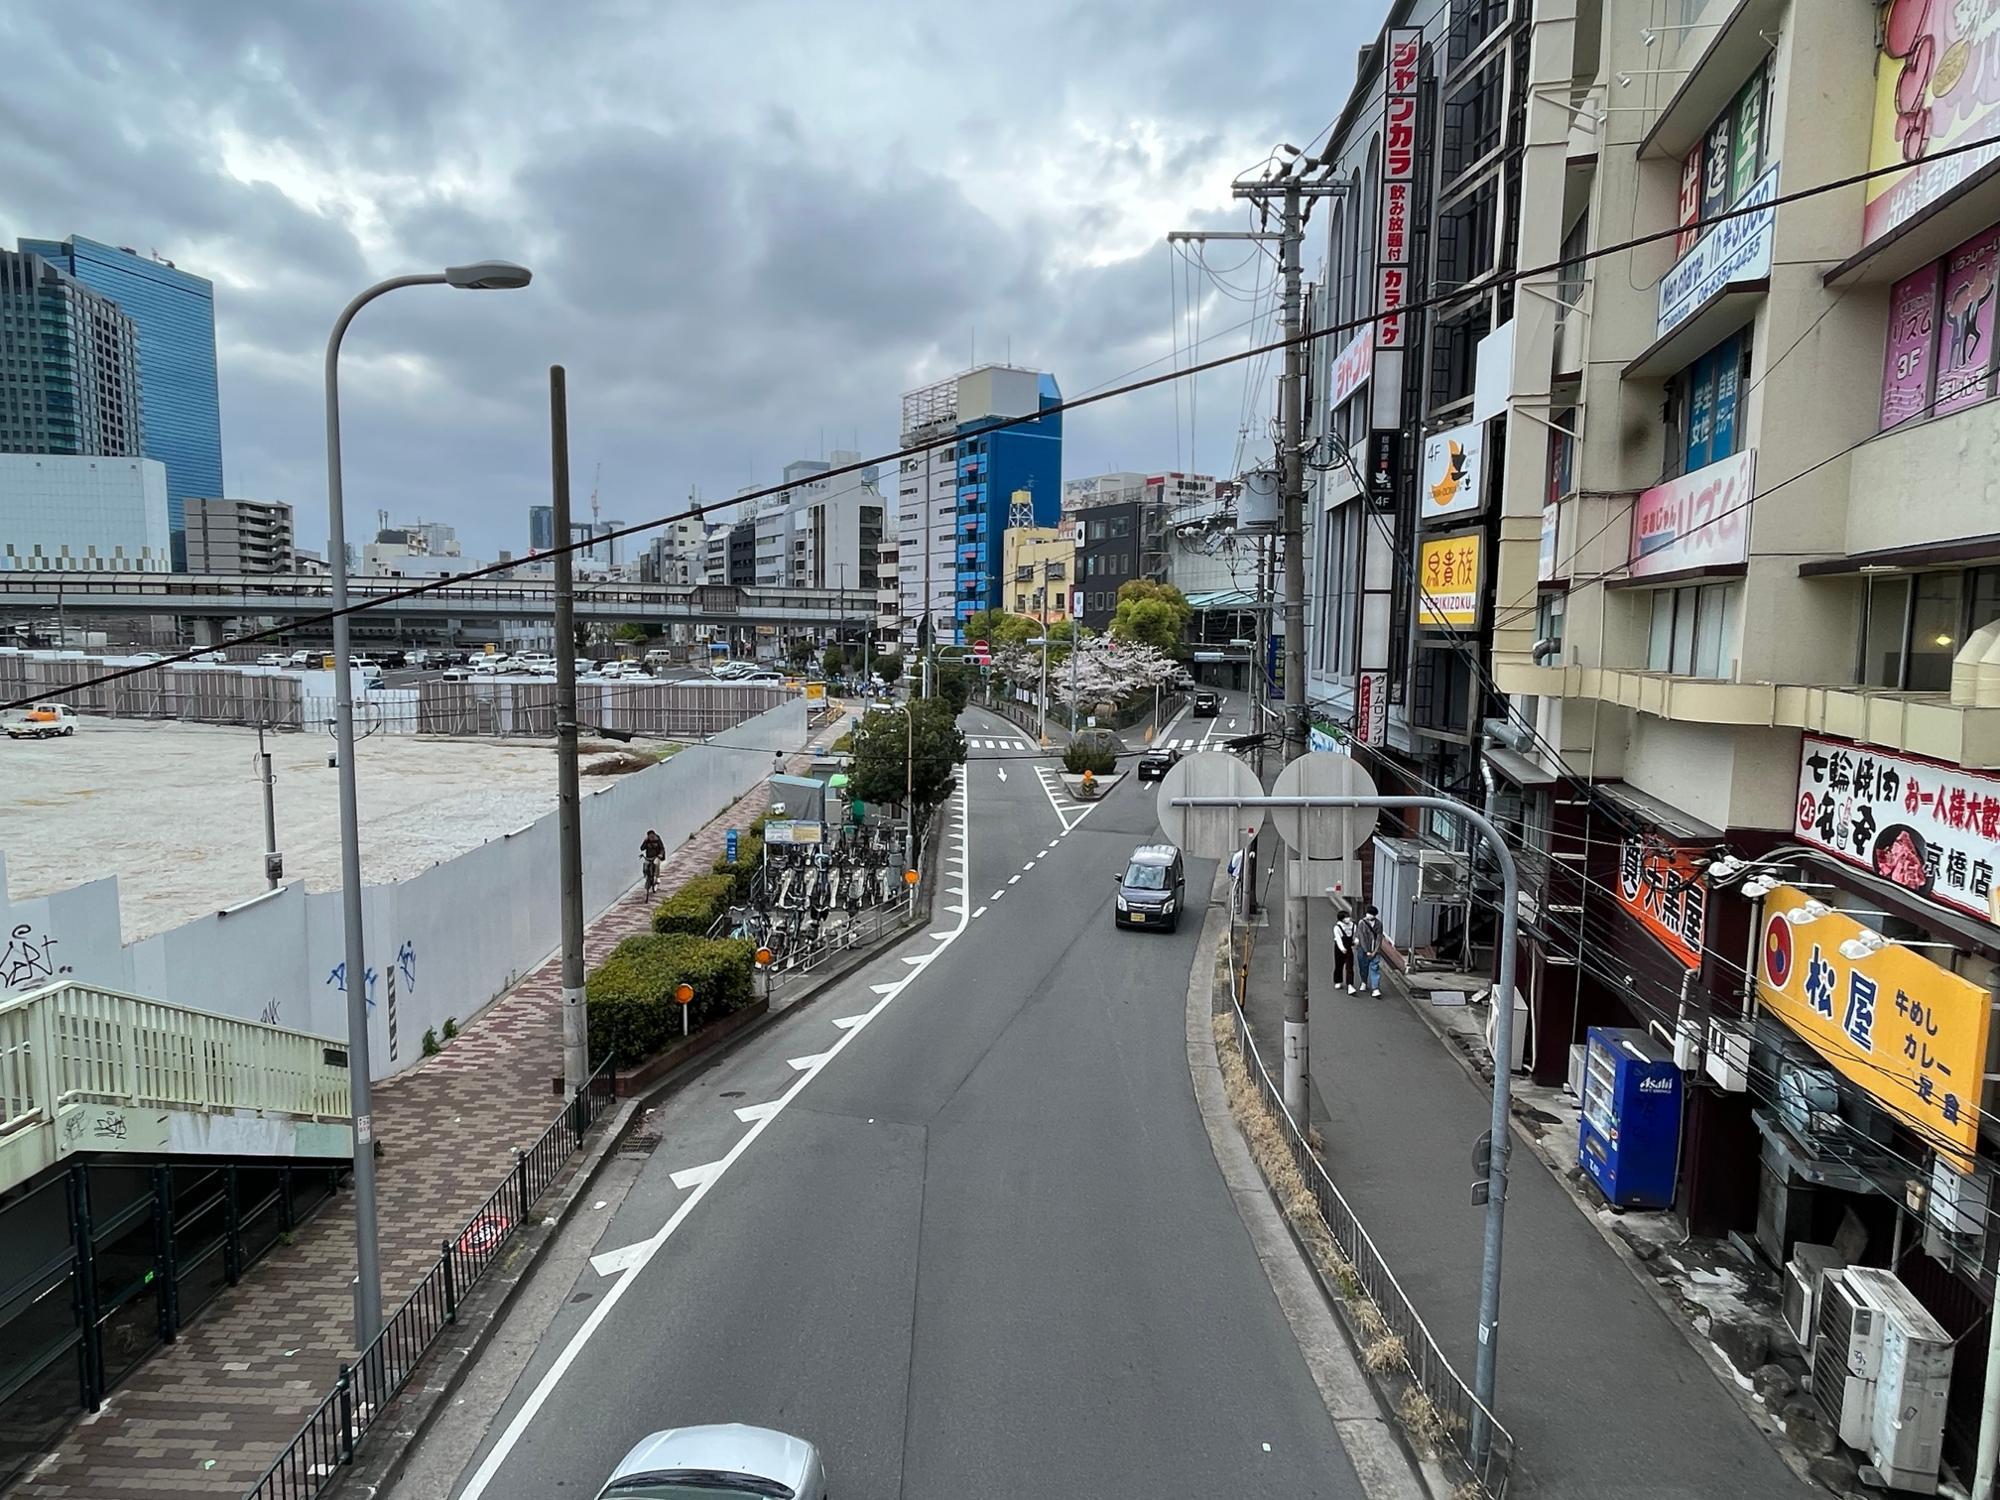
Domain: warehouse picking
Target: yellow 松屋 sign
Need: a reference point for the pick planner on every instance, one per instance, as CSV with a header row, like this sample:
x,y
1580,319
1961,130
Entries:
x,y
1449,573
1909,1032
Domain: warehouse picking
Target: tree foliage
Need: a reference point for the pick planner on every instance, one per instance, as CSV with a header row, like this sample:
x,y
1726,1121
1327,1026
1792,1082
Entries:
x,y
915,748
889,667
999,629
799,651
832,662
629,631
952,684
1151,614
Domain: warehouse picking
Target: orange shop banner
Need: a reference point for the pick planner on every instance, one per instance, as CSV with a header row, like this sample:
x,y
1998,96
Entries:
x,y
1664,893
1448,572
1906,1031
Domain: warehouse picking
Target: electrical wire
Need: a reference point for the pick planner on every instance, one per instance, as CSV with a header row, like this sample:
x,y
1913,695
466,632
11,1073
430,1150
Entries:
x,y
1061,407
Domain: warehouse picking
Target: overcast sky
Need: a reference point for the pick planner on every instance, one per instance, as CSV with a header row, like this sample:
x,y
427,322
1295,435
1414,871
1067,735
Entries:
x,y
750,224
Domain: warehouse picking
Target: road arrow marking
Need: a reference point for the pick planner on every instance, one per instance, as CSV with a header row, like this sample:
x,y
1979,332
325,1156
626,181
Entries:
x,y
688,1177
611,1262
1003,773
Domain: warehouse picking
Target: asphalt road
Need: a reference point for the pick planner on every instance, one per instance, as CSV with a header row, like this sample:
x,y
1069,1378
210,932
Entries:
x,y
981,1246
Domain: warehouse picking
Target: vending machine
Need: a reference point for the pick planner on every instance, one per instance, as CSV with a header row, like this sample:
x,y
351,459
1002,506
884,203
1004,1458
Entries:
x,y
1630,1138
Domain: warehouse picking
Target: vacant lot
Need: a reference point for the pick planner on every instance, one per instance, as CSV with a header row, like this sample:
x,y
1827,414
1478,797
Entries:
x,y
176,813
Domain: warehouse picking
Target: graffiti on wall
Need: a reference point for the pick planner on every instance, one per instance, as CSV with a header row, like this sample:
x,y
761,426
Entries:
x,y
405,965
27,960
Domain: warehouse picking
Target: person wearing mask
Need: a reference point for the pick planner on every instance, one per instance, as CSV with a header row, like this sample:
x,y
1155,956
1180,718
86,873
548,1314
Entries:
x,y
1368,945
1343,950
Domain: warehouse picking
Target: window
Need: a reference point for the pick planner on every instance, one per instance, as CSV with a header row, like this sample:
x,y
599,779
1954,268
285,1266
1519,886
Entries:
x,y
1453,342
1472,22
1935,616
1569,276
1692,630
1938,353
1471,119
1885,617
1562,455
1465,236
1703,407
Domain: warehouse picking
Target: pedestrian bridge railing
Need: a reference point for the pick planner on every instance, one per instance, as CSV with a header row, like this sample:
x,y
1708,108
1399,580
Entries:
x,y
84,1069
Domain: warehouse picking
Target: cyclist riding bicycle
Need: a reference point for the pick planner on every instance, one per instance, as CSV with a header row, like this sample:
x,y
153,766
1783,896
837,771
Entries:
x,y
652,850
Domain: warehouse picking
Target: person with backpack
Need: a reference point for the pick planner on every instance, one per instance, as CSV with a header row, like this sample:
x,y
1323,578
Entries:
x,y
1343,950
1368,940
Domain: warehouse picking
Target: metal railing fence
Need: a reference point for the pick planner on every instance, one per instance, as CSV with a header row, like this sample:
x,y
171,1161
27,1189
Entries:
x,y
1481,1451
327,1441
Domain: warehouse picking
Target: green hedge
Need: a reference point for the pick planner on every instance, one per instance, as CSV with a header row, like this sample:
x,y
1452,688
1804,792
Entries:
x,y
749,855
630,995
1094,750
695,906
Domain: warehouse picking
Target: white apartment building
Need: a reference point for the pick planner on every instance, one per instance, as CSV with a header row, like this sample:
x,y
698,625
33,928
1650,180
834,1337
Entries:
x,y
63,514
926,506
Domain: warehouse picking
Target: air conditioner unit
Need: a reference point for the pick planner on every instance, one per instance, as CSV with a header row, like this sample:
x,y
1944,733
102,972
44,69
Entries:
x,y
1440,876
1847,1357
1801,1291
1809,1104
1577,1056
1907,1433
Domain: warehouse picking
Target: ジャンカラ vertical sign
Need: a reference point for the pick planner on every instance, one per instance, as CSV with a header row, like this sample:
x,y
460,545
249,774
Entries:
x,y
1908,1032
1399,178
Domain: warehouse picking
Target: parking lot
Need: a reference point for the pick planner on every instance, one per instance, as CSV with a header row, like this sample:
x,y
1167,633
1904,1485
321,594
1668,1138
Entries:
x,y
175,811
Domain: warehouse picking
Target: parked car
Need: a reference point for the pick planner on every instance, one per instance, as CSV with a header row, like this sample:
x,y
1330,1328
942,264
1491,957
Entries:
x,y
729,1460
392,659
1155,764
44,721
276,658
1207,704
1150,888
303,659
459,674
212,658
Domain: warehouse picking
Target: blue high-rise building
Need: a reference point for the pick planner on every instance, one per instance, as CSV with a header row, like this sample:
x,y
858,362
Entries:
x,y
175,315
992,467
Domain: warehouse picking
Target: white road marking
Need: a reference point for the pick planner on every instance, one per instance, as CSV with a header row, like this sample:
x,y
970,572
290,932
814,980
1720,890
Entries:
x,y
996,895
940,934
611,1262
886,989
1027,867
503,1447
848,1023
688,1177
1045,853
978,914
1013,880
800,1064
1003,773
749,1114
917,960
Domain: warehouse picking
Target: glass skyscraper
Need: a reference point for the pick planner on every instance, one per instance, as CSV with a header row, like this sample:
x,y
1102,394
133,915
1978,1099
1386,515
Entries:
x,y
175,315
69,366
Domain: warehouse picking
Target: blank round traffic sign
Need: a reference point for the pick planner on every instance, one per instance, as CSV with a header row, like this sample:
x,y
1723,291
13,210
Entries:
x,y
1324,832
1209,832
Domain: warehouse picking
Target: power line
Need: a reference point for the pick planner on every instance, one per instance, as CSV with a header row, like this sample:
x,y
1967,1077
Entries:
x,y
1061,407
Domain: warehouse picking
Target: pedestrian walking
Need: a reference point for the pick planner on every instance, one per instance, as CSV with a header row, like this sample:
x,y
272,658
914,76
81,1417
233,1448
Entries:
x,y
1343,951
1368,944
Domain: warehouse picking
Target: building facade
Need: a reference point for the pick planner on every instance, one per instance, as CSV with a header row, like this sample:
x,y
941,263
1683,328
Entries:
x,y
1107,557
175,314
238,536
72,514
69,365
1039,565
954,502
1682,561
541,528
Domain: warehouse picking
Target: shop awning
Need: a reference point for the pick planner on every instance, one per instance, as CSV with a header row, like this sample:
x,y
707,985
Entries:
x,y
1965,549
1518,768
1663,816
1224,599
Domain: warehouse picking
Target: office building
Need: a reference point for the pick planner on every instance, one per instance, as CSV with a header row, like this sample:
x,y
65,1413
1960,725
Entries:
x,y
81,514
1690,554
954,502
541,528
175,315
1107,557
69,365
1039,564
741,554
238,536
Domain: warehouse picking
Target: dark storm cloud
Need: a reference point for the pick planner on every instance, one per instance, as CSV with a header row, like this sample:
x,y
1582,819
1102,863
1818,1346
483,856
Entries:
x,y
748,225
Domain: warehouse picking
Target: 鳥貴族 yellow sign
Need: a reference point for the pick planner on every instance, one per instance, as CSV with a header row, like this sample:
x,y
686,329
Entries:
x,y
1907,1031
1448,570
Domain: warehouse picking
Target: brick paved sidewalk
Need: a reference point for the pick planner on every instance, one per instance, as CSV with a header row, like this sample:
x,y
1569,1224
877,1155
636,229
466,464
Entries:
x,y
207,1415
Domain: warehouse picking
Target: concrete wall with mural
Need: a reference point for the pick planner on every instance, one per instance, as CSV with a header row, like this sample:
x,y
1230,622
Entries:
x,y
440,945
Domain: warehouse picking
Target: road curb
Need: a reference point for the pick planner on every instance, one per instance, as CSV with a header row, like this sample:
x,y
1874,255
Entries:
x,y
1374,1442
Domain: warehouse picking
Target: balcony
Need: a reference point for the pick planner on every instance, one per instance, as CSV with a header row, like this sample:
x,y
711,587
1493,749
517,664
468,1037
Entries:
x,y
1915,723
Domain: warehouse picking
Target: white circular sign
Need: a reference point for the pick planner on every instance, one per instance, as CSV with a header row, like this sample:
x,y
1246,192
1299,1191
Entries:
x,y
1209,832
1324,832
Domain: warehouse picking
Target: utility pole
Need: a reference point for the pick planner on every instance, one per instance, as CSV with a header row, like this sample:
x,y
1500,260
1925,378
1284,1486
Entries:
x,y
569,794
1286,188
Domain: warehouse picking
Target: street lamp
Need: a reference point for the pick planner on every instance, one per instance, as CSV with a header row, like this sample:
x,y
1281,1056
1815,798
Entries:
x,y
479,276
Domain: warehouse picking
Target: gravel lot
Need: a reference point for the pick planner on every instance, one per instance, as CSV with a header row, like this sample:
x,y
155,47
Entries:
x,y
175,811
